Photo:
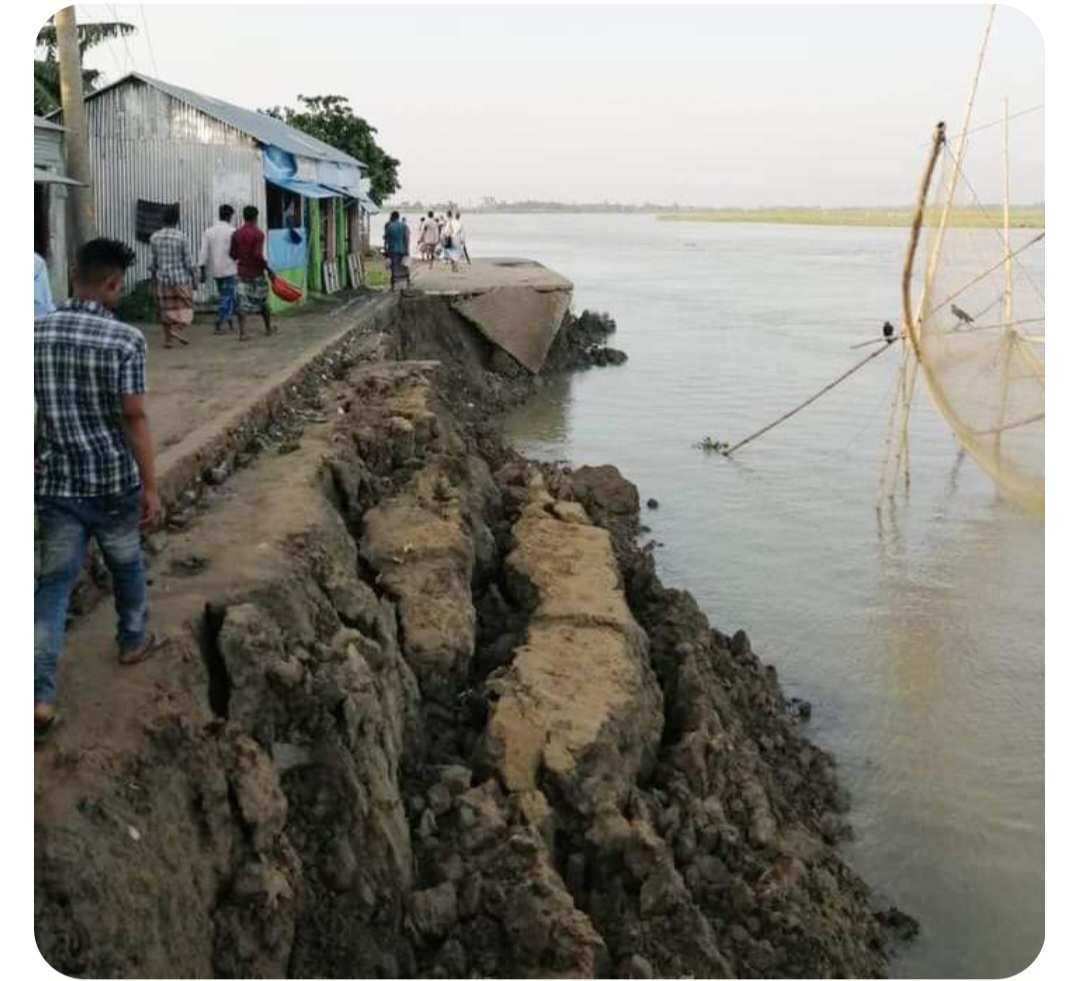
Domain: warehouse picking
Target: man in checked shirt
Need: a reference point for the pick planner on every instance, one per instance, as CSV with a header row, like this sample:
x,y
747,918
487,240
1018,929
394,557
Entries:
x,y
94,463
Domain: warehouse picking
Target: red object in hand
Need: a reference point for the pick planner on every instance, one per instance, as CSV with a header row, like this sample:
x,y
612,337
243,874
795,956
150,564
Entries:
x,y
285,290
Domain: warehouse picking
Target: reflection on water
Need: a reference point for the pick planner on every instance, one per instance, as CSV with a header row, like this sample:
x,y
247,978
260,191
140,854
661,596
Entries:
x,y
916,633
547,412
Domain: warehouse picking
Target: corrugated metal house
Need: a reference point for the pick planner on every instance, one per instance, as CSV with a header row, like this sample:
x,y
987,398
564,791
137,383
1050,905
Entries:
x,y
152,144
50,202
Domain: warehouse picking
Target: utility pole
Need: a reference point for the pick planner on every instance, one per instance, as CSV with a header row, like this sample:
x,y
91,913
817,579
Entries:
x,y
76,140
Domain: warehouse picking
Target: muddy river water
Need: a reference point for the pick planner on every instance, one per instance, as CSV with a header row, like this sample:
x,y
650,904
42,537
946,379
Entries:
x,y
917,634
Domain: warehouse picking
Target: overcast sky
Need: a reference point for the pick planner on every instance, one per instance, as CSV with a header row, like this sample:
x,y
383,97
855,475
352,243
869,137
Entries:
x,y
712,105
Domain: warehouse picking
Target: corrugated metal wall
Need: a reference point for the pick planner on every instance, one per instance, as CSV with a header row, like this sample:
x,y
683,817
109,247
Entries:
x,y
47,148
49,155
145,144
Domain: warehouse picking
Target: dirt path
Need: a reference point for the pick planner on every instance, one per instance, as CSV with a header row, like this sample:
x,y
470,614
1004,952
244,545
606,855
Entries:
x,y
191,386
230,549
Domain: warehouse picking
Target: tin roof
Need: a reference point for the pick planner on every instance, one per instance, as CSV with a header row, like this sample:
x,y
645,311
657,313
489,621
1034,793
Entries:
x,y
40,123
265,129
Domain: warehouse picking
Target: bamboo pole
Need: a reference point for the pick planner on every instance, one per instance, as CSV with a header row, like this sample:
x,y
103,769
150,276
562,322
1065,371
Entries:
x,y
916,229
1005,216
1008,331
946,210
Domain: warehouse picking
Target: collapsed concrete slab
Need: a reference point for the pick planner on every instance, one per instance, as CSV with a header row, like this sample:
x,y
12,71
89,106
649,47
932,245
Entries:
x,y
517,304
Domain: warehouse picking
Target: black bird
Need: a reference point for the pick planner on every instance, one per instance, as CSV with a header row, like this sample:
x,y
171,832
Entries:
x,y
964,318
888,330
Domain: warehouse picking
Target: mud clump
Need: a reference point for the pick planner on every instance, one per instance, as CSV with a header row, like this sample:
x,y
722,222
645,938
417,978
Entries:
x,y
583,342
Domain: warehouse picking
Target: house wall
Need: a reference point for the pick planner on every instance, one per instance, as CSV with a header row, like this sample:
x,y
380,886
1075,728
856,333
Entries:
x,y
145,144
49,155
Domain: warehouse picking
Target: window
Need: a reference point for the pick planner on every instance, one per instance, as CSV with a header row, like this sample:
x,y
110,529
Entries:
x,y
283,208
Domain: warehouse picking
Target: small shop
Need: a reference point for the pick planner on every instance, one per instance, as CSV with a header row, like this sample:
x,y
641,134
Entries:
x,y
153,144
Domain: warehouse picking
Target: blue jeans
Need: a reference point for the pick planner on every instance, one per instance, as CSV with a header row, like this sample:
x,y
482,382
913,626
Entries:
x,y
65,526
226,287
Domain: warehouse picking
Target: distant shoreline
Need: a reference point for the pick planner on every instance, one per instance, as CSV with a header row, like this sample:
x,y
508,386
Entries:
x,y
1023,216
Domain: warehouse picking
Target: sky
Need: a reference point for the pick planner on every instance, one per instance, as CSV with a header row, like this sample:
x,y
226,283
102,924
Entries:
x,y
715,105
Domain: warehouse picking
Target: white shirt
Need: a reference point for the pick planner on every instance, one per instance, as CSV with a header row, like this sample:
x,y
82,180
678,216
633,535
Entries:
x,y
43,301
429,231
214,253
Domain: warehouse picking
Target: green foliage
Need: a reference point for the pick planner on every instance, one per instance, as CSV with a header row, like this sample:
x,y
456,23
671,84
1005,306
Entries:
x,y
330,118
137,303
47,69
376,275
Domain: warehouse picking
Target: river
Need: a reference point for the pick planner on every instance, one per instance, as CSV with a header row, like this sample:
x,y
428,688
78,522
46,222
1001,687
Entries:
x,y
917,634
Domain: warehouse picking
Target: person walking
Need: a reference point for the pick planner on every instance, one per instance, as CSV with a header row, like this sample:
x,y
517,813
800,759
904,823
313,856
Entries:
x,y
396,246
452,242
429,238
94,463
252,290
215,261
174,277
461,237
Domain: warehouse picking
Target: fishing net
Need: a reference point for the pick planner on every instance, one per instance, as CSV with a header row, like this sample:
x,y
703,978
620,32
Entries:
x,y
980,328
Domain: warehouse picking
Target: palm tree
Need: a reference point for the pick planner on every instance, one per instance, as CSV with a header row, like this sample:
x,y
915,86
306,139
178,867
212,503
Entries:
x,y
47,69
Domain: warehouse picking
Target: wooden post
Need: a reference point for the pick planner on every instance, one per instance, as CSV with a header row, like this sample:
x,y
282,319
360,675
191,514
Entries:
x,y
76,139
1008,332
1005,218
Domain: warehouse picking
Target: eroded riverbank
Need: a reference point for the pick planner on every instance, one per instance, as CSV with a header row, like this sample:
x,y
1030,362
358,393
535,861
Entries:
x,y
428,711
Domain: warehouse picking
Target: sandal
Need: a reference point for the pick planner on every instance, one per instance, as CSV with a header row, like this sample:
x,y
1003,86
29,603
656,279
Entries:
x,y
151,645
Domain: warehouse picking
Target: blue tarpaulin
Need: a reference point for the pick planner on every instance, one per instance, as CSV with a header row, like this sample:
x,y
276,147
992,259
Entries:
x,y
283,252
306,189
278,164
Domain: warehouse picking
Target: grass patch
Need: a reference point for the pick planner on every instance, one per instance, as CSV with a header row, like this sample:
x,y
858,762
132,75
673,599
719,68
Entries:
x,y
376,275
862,217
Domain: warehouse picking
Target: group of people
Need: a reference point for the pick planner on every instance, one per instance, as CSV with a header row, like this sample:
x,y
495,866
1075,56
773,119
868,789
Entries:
x,y
441,236
235,258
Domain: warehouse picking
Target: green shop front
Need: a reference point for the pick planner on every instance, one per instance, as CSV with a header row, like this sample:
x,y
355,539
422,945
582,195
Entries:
x,y
316,218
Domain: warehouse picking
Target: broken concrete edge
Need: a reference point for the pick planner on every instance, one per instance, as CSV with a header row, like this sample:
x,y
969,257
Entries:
x,y
504,317
183,466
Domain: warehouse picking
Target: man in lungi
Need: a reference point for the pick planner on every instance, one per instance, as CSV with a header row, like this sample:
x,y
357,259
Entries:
x,y
174,277
396,246
252,286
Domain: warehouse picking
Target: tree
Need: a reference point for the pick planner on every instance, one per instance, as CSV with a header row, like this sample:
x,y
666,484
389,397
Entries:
x,y
330,118
47,69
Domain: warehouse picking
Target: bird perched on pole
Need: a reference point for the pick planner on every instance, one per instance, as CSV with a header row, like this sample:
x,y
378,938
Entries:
x,y
887,329
961,316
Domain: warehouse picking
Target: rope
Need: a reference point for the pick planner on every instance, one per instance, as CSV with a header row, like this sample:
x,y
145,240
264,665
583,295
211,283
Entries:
x,y
994,227
1003,119
885,345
